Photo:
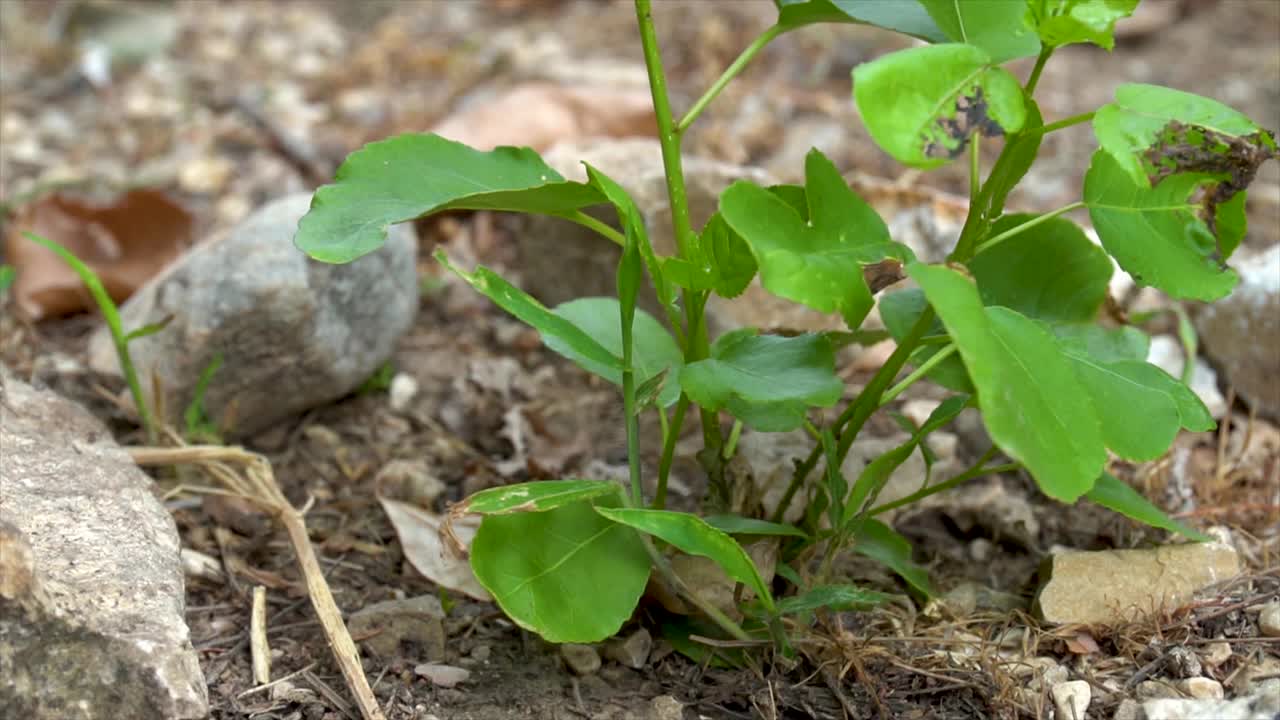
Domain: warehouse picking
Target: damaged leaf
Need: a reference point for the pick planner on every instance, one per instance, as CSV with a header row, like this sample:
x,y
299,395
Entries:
x,y
426,548
1000,28
1065,22
923,104
1171,236
124,242
1154,132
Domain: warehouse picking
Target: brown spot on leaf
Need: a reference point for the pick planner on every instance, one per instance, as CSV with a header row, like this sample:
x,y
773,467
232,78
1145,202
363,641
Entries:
x,y
971,117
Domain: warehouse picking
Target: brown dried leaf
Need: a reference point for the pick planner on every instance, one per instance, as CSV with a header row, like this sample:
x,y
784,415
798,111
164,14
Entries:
x,y
125,242
419,533
541,114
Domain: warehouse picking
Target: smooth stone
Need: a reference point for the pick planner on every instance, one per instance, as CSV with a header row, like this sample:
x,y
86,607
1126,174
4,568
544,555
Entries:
x,y
292,333
666,707
632,651
1201,688
1241,333
1256,707
383,626
1071,699
91,578
1269,619
582,659
1112,586
1216,653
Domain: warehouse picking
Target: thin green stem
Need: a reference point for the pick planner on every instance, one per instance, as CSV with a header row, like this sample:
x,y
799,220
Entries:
x,y
731,445
697,346
975,168
1027,226
729,74
1039,68
111,314
977,471
585,220
1060,124
670,436
916,374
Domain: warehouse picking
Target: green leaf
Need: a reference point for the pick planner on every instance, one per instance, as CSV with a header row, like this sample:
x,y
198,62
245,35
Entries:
x,y
899,310
817,262
884,545
568,574
560,334
1050,272
722,261
907,18
692,535
600,319
1139,418
7,275
1153,132
999,28
1103,344
534,496
1034,407
633,226
739,525
1112,493
148,329
921,105
1160,235
832,597
1019,155
409,176
765,380
1064,22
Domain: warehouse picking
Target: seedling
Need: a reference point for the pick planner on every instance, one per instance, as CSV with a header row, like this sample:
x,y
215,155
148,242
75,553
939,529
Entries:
x,y
1010,323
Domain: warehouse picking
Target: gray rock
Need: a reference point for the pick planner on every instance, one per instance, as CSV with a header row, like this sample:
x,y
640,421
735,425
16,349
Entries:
x,y
665,707
1113,586
1255,707
91,586
1128,709
1269,619
383,626
293,333
581,659
632,651
1241,333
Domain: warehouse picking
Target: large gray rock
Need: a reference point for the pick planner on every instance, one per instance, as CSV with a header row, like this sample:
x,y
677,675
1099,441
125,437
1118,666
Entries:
x,y
293,333
91,594
1241,333
1113,586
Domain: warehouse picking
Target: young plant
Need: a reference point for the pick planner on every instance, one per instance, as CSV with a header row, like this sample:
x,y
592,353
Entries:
x,y
1010,323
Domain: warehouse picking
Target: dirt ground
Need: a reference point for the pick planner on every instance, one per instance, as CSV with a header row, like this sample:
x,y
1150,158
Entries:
x,y
252,100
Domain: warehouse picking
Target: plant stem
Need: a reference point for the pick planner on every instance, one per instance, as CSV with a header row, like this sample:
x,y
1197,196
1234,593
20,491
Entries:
x,y
1039,68
977,470
729,74
1027,226
916,374
697,347
111,315
669,451
975,169
1063,123
731,445
591,223
857,413
690,594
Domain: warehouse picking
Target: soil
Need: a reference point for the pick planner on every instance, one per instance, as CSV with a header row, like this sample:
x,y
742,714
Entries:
x,y
284,91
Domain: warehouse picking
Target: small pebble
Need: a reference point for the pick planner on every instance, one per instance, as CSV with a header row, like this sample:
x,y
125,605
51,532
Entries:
x,y
1072,699
1154,689
1201,688
581,659
445,676
404,388
1127,710
632,651
1269,620
1182,662
1216,653
665,707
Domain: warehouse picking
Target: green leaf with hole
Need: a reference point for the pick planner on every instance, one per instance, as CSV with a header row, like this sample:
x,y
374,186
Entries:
x,y
1114,494
692,535
1065,22
720,260
908,18
1051,272
922,105
600,319
999,28
899,310
884,545
1153,132
1034,407
816,262
739,525
1171,236
832,597
569,339
409,176
765,380
535,496
568,574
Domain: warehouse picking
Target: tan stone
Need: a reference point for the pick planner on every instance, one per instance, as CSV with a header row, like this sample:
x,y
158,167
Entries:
x,y
1122,585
